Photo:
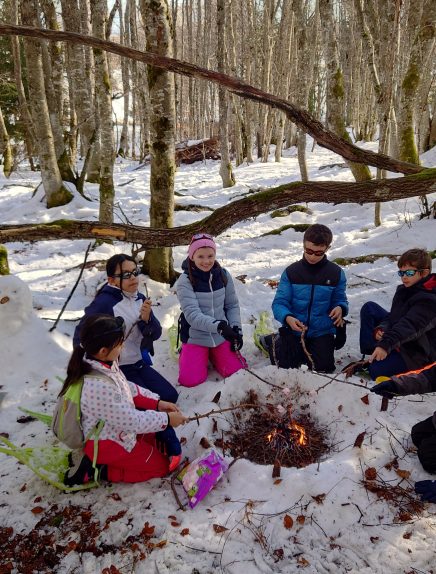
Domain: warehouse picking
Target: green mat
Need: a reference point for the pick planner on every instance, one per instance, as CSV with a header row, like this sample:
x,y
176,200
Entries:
x,y
263,327
172,339
48,462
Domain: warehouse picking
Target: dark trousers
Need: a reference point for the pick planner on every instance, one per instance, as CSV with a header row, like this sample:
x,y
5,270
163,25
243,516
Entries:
x,y
424,438
145,376
371,315
289,353
167,442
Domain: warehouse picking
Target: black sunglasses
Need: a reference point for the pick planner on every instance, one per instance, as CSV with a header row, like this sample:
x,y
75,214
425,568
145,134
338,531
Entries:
x,y
127,274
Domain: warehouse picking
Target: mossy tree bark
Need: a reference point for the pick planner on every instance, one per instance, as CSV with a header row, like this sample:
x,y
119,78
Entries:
x,y
4,265
5,147
158,263
103,93
56,193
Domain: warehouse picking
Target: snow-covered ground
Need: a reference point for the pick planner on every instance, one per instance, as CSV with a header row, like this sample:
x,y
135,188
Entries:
x,y
347,529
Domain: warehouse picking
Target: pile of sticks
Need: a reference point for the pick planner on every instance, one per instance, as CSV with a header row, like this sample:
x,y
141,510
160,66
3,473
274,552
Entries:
x,y
249,440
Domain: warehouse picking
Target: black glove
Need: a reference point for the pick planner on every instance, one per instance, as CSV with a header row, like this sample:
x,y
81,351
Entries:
x,y
238,341
386,389
226,331
426,489
147,344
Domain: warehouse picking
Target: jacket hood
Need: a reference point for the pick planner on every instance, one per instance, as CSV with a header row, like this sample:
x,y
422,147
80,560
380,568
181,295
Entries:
x,y
429,283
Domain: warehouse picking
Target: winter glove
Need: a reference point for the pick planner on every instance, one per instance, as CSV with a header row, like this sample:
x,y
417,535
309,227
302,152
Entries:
x,y
238,341
426,489
226,331
386,389
341,336
147,344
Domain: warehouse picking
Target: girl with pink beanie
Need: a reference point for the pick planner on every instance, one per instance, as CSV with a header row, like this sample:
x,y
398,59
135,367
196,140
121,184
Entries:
x,y
210,323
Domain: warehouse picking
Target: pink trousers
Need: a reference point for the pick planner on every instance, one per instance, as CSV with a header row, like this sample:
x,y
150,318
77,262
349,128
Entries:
x,y
193,362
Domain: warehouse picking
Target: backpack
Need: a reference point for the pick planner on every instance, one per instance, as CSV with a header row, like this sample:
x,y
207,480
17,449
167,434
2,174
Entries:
x,y
67,416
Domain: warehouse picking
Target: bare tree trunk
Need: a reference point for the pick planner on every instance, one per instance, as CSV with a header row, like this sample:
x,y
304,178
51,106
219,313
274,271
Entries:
x,y
82,103
335,119
56,193
29,134
5,147
123,149
103,94
157,19
226,171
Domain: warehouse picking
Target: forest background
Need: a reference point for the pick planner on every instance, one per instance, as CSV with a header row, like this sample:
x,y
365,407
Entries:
x,y
364,68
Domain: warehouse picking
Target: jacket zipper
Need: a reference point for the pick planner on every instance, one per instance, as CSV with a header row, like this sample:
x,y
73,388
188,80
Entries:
x,y
310,306
212,313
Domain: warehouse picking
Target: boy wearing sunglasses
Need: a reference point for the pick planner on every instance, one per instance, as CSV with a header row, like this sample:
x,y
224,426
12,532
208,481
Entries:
x,y
120,297
405,338
310,303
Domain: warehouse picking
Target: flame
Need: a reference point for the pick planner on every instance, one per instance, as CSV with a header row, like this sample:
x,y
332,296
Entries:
x,y
302,439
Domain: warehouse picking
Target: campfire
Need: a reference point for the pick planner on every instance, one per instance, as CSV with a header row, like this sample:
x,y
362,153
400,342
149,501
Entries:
x,y
276,435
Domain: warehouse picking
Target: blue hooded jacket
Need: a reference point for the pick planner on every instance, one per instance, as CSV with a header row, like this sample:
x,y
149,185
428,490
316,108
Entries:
x,y
308,292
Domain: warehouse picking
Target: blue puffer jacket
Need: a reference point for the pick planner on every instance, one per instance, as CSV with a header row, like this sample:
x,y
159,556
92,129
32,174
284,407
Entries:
x,y
308,293
112,301
210,300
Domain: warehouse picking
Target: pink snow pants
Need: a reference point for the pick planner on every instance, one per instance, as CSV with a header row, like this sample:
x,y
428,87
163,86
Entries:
x,y
194,359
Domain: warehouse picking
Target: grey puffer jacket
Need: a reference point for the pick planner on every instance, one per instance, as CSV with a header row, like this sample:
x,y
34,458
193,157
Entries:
x,y
207,300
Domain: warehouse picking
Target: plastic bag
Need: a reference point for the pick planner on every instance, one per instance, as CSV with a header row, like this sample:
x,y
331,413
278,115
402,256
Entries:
x,y
201,475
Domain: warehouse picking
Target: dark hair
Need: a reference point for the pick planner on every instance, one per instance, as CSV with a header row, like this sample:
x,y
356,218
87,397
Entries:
x,y
115,260
97,331
318,234
417,257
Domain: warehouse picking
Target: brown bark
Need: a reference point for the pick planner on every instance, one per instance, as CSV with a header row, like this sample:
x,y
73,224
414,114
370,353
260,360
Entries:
x,y
224,217
302,118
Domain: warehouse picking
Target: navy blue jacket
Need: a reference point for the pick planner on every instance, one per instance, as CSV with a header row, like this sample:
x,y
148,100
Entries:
x,y
411,323
113,301
308,293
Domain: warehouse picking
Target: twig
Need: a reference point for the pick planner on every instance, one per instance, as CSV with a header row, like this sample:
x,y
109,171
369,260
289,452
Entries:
x,y
173,484
369,279
244,366
306,352
72,290
214,412
334,379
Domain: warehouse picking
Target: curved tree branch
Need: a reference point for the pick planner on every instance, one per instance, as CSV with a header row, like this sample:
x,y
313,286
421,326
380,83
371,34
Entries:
x,y
302,118
234,212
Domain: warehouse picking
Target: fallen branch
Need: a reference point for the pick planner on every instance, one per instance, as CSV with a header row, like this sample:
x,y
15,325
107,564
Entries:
x,y
53,327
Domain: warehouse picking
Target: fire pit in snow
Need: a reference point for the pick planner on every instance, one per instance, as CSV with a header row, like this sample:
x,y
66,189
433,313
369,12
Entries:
x,y
278,435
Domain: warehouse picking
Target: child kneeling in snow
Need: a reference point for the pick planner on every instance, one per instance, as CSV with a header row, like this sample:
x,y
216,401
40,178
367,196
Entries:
x,y
136,421
210,323
405,338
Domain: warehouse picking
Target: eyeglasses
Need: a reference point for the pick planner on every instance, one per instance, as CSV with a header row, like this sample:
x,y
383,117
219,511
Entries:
x,y
409,272
127,274
312,252
201,236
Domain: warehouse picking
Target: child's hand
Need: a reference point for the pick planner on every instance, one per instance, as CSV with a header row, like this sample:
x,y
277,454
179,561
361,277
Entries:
x,y
378,334
336,316
166,407
146,310
176,418
378,355
295,324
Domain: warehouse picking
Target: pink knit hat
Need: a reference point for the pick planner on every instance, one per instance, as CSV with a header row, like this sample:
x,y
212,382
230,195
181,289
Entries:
x,y
200,240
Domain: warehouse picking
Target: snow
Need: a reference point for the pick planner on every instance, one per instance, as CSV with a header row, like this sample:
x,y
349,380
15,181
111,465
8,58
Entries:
x,y
346,530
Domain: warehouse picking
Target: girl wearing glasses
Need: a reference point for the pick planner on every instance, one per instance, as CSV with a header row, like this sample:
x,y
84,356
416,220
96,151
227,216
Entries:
x,y
210,323
135,419
405,338
120,297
